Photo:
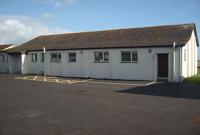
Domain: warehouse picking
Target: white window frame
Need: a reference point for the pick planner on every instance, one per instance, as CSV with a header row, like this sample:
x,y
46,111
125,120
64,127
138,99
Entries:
x,y
33,57
72,61
131,57
57,58
103,57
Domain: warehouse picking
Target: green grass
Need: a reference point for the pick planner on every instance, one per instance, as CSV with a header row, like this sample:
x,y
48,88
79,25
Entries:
x,y
194,79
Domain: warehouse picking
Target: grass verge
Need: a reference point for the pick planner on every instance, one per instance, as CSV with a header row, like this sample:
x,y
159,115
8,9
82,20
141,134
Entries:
x,y
194,79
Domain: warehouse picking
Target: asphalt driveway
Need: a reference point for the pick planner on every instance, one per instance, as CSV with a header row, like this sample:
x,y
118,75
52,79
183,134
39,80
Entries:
x,y
29,107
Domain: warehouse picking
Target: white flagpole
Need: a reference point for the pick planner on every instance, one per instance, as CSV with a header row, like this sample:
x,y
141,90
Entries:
x,y
174,61
44,50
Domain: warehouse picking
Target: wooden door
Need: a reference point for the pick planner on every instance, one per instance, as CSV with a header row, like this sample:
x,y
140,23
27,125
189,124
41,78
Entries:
x,y
162,65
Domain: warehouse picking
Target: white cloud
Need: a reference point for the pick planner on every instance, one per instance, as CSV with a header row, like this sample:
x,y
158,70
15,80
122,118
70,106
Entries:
x,y
19,29
47,15
59,3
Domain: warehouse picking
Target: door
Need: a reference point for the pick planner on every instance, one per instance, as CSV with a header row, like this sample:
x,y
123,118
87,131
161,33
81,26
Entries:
x,y
162,65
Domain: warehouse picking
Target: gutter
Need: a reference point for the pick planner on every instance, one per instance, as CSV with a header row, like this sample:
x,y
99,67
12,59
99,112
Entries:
x,y
92,48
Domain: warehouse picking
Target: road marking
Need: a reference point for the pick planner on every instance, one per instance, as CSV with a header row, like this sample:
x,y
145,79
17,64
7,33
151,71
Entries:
x,y
150,83
51,81
35,78
57,80
90,81
69,81
63,82
19,77
82,81
117,83
25,78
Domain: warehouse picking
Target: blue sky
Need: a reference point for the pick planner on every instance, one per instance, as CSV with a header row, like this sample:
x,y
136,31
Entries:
x,y
61,16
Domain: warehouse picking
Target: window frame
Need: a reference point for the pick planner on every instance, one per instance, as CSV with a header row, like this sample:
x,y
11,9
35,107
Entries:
x,y
58,60
3,57
131,56
71,61
185,55
42,57
123,61
33,60
135,61
103,57
7,59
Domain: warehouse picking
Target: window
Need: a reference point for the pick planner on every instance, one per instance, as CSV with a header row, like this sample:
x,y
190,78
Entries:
x,y
106,56
101,57
128,56
72,57
3,57
42,57
56,57
33,57
185,55
134,56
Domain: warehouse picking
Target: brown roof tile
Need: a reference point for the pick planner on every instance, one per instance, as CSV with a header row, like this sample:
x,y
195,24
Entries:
x,y
158,36
2,47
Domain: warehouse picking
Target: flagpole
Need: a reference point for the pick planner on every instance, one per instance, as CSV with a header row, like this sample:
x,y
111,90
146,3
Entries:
x,y
44,50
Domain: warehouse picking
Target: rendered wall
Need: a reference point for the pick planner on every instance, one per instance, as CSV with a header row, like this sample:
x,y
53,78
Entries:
x,y
36,67
144,69
14,63
189,65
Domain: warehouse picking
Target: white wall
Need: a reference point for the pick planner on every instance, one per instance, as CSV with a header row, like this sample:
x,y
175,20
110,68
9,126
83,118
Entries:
x,y
36,67
175,76
14,63
144,69
25,63
189,67
63,68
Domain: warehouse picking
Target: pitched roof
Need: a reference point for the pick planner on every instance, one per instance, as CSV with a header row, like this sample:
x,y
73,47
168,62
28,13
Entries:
x,y
157,36
2,47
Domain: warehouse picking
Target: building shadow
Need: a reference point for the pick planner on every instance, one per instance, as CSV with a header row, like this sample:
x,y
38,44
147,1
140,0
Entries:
x,y
177,90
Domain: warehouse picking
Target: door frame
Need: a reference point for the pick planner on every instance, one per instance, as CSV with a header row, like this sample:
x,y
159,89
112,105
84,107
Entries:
x,y
157,68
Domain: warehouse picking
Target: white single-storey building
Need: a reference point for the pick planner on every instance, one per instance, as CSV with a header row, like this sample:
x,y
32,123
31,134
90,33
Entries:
x,y
149,53
4,58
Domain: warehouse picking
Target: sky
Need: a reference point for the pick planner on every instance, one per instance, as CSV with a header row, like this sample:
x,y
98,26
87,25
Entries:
x,y
22,20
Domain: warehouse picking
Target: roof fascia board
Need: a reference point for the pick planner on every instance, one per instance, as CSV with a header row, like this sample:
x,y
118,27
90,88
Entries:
x,y
168,46
195,32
